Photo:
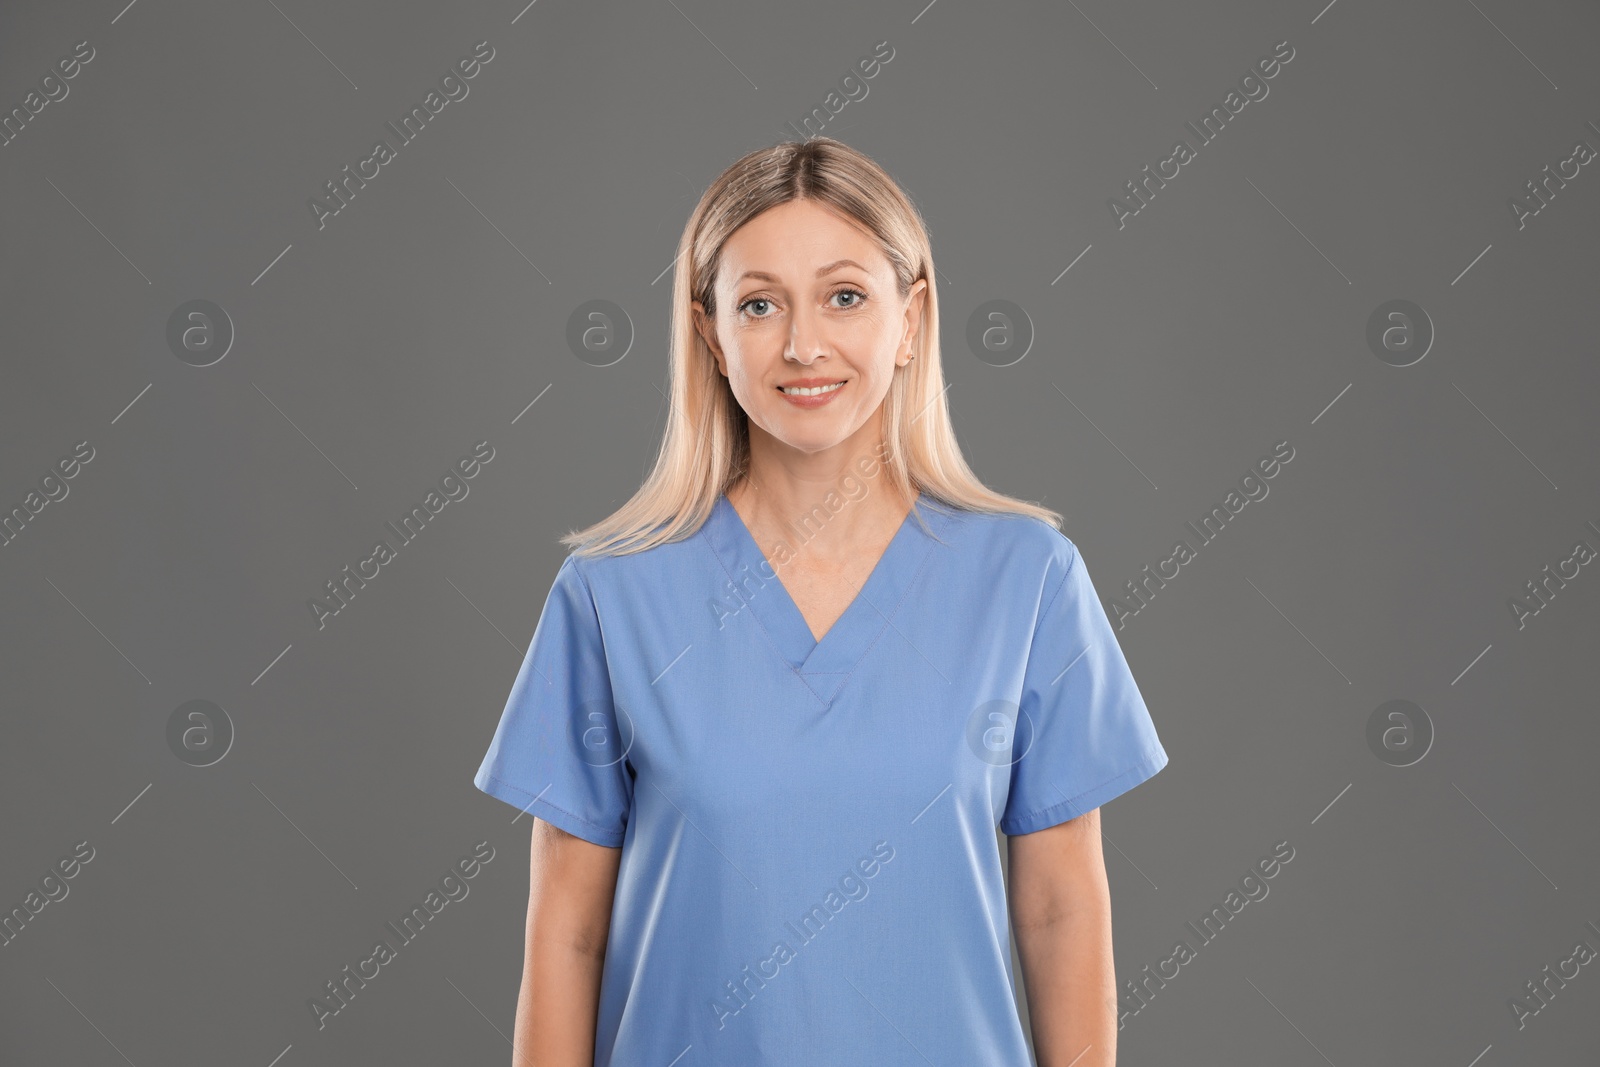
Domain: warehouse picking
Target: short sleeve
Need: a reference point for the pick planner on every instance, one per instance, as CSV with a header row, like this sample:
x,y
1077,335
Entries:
x,y
1083,732
560,749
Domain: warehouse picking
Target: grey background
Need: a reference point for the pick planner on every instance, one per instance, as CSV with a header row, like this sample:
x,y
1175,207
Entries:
x,y
431,312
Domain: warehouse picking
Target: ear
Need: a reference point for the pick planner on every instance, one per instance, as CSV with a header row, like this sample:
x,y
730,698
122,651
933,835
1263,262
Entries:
x,y
914,304
708,332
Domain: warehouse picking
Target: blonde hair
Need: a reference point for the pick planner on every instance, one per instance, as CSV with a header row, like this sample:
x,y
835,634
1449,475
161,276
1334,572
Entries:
x,y
706,446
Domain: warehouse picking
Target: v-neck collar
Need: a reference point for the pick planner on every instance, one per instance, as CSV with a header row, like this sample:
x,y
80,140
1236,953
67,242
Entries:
x,y
823,665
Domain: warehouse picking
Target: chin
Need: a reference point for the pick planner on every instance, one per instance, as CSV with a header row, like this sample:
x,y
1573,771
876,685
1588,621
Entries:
x,y
812,442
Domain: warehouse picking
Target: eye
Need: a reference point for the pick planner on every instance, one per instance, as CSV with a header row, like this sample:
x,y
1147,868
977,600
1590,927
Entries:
x,y
857,297
753,300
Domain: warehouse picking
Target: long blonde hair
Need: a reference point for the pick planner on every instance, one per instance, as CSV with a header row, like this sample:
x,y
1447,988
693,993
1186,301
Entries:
x,y
706,446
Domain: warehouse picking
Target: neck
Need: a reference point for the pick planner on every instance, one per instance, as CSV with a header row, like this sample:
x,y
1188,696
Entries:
x,y
826,508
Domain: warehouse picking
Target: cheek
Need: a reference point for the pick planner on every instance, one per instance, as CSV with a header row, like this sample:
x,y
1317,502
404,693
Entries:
x,y
744,372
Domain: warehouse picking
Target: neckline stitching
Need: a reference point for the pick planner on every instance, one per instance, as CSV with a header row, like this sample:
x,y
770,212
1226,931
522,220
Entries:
x,y
711,545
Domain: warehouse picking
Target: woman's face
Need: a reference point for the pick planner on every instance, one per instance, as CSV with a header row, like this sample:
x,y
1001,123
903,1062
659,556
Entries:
x,y
805,298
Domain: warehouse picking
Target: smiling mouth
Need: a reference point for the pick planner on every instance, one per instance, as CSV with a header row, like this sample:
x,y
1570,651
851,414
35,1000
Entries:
x,y
815,390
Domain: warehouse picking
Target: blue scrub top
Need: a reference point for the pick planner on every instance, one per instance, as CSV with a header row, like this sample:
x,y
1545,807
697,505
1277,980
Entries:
x,y
809,868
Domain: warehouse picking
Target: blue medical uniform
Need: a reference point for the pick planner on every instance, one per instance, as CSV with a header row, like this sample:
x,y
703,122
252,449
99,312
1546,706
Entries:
x,y
809,869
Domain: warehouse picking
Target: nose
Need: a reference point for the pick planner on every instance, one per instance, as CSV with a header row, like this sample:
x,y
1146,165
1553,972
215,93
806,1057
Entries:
x,y
805,342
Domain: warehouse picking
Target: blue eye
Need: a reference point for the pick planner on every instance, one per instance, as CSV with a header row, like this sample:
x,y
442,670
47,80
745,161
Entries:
x,y
744,306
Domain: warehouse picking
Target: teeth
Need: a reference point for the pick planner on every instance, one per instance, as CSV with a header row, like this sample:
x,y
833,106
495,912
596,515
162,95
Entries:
x,y
813,391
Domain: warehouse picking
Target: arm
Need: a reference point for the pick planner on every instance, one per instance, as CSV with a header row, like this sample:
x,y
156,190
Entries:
x,y
1061,915
571,883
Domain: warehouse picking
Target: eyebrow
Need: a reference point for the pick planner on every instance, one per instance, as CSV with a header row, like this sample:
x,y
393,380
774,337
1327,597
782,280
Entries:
x,y
826,269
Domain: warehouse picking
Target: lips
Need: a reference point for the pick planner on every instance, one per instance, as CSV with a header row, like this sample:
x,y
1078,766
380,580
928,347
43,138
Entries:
x,y
809,383
810,391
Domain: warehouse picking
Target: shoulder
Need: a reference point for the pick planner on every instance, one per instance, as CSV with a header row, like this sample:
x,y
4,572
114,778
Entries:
x,y
1009,532
1009,548
640,570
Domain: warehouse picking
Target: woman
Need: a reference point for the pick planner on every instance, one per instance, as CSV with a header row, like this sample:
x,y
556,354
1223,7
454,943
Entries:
x,y
777,704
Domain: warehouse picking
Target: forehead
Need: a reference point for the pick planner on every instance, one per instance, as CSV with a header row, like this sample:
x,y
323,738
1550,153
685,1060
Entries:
x,y
793,241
